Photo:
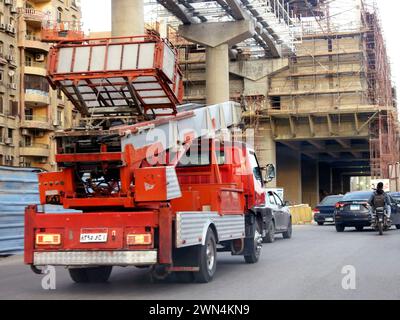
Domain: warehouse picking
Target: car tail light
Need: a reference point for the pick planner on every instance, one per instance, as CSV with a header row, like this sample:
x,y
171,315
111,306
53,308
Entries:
x,y
339,205
138,239
46,239
316,211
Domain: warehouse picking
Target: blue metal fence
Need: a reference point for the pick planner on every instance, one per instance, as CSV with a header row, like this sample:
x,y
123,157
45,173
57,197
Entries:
x,y
18,189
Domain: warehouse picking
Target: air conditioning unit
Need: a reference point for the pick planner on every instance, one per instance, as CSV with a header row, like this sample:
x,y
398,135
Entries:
x,y
2,26
13,9
13,86
8,2
9,27
25,132
56,123
40,57
8,141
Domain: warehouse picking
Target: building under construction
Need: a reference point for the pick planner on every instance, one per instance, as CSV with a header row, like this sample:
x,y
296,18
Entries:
x,y
324,112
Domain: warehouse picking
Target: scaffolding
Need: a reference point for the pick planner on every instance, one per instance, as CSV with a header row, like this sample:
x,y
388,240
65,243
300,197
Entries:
x,y
384,141
341,66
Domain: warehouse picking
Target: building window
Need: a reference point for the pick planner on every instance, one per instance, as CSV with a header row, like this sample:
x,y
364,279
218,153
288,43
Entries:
x,y
28,141
1,105
10,134
13,108
1,134
9,160
59,14
29,114
60,114
38,83
276,103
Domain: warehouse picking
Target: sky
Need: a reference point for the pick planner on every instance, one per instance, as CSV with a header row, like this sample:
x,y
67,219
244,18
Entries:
x,y
97,17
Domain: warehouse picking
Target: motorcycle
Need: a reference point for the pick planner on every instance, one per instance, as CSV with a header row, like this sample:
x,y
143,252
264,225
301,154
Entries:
x,y
380,221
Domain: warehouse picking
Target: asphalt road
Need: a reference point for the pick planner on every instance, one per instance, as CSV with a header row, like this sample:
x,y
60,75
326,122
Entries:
x,y
308,266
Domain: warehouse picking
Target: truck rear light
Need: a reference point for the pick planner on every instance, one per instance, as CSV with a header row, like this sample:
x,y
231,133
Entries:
x,y
43,239
138,239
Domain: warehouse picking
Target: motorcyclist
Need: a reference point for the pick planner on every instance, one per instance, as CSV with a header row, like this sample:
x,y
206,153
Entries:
x,y
380,199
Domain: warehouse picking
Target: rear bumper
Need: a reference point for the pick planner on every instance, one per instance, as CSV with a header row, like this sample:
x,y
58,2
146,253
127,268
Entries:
x,y
353,221
95,258
323,217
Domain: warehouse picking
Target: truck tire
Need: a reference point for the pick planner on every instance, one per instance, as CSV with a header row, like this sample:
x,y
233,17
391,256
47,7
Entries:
x,y
93,275
253,245
270,237
78,275
207,257
288,233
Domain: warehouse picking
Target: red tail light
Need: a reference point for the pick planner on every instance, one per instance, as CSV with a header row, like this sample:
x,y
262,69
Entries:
x,y
339,205
315,211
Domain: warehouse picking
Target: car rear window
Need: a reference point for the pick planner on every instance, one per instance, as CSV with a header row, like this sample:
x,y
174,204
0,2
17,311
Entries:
x,y
331,200
361,196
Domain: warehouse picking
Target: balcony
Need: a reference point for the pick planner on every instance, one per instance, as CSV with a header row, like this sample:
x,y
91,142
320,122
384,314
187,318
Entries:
x,y
36,122
37,97
34,42
38,70
35,150
32,17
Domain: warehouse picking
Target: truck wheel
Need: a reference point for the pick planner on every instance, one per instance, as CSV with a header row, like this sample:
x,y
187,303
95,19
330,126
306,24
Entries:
x,y
340,227
78,275
270,237
288,233
93,275
253,245
207,259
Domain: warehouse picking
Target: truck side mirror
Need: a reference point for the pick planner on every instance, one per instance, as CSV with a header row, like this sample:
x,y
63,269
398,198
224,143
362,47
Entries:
x,y
270,173
287,204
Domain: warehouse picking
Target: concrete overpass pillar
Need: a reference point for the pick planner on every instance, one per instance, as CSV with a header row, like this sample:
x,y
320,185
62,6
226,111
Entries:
x,y
127,18
310,182
217,74
289,174
265,146
217,37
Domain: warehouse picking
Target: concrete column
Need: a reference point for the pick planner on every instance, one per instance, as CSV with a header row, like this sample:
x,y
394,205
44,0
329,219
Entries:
x,y
289,174
325,177
217,74
310,182
217,37
265,146
127,18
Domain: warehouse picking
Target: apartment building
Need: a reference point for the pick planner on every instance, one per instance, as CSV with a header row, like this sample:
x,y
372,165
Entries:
x,y
8,84
42,110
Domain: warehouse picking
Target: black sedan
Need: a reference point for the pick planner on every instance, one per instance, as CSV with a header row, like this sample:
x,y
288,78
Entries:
x,y
324,212
354,211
